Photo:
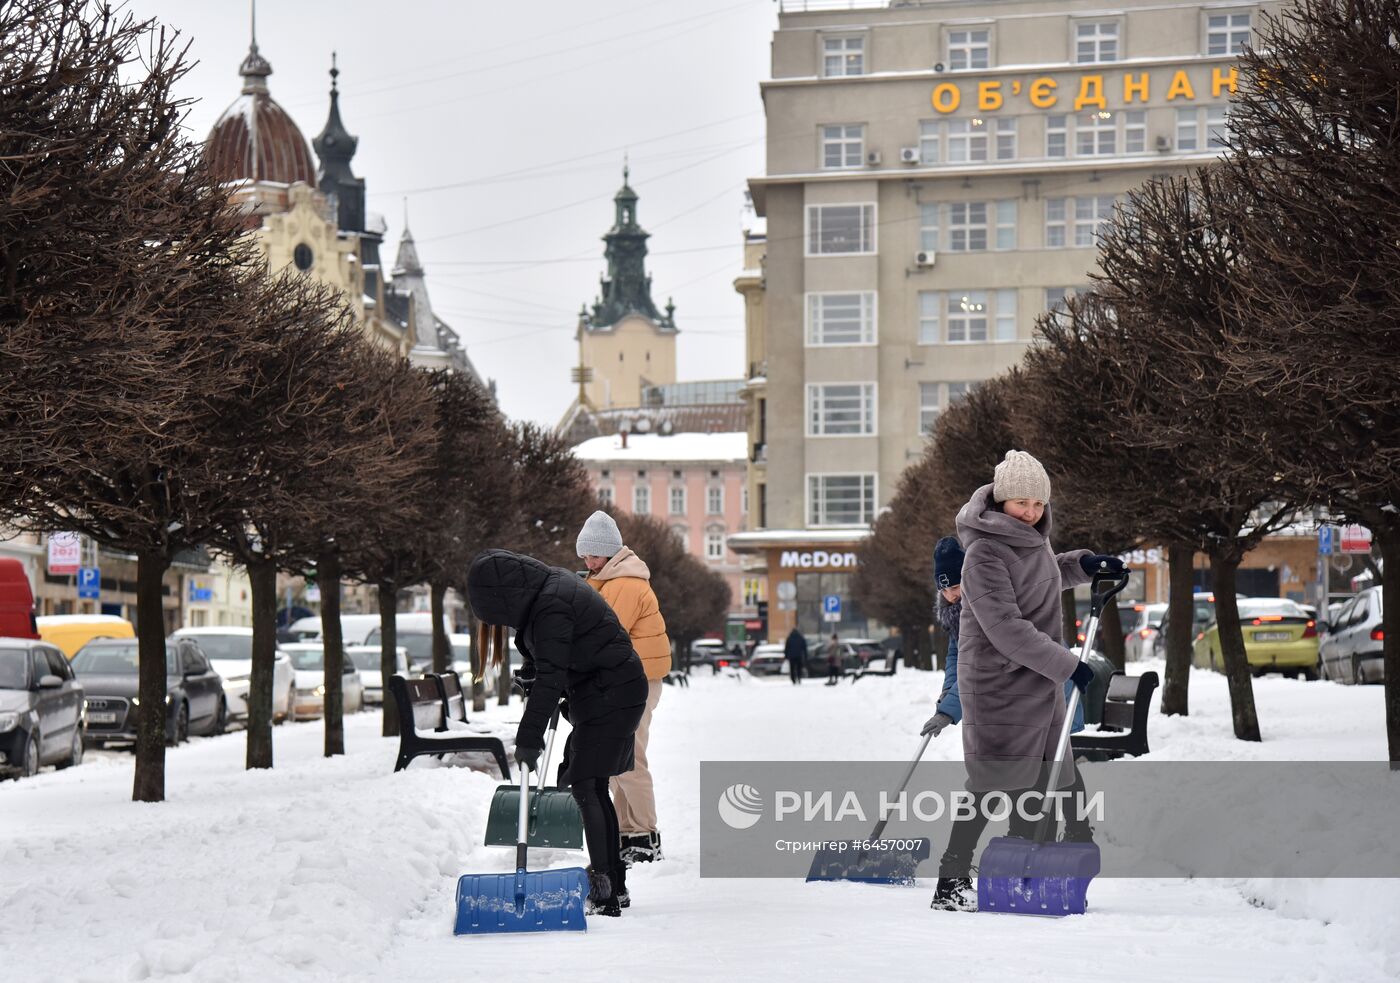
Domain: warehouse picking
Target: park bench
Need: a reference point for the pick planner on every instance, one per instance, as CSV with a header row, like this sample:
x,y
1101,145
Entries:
x,y
423,724
1125,709
677,677
454,698
887,668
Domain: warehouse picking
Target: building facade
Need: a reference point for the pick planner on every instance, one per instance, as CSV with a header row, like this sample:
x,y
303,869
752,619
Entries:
x,y
937,174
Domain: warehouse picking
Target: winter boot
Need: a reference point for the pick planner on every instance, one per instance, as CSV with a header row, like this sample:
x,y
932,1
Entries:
x,y
952,894
619,883
640,848
602,900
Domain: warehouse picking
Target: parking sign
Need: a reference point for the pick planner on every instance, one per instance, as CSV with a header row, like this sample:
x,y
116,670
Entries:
x,y
89,582
831,607
1324,540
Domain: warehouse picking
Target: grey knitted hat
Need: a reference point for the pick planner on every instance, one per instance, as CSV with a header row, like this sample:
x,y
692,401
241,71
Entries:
x,y
1020,476
599,536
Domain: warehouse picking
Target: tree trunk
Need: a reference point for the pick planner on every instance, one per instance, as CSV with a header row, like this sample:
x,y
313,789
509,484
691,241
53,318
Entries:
x,y
1070,615
1111,635
262,581
478,662
442,645
923,648
388,655
1181,611
1388,537
333,658
503,682
149,783
1237,674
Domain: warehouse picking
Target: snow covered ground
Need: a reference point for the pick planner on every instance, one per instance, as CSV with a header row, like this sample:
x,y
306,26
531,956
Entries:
x,y
341,870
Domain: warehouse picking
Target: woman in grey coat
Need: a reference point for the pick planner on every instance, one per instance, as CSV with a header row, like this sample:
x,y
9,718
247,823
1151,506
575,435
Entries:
x,y
1012,661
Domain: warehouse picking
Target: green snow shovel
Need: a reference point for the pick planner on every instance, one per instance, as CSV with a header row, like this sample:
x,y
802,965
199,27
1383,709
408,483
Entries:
x,y
555,821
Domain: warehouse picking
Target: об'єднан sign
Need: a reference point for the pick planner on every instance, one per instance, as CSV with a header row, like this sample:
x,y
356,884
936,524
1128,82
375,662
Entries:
x,y
1089,91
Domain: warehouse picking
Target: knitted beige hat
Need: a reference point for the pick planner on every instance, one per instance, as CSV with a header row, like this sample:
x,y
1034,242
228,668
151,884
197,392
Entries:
x,y
1020,476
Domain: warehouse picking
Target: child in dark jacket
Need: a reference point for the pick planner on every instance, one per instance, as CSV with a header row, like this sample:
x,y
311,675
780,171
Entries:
x,y
947,576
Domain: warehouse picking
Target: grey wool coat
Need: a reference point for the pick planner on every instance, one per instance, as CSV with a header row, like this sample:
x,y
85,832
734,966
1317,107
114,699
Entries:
x,y
1012,662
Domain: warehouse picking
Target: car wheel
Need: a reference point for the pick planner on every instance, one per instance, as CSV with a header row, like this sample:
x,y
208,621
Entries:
x,y
75,753
30,768
182,725
220,718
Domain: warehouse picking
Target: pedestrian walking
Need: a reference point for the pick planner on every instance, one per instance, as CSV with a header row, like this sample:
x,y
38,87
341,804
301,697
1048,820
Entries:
x,y
1012,662
795,651
833,660
571,645
624,581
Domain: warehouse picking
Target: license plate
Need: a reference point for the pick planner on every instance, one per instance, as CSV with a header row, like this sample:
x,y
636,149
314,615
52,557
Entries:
x,y
1272,636
101,717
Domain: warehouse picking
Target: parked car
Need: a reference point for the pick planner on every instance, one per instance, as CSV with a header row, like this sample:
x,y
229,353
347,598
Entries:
x,y
16,601
230,650
1351,652
707,652
368,660
71,632
1143,631
418,643
194,693
308,660
1278,635
41,707
1202,614
768,660
354,628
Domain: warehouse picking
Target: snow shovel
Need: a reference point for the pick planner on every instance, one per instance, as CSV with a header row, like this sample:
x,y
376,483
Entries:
x,y
539,901
555,821
847,860
1036,877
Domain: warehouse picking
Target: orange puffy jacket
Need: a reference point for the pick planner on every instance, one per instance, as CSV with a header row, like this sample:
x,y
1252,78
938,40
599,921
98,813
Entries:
x,y
625,584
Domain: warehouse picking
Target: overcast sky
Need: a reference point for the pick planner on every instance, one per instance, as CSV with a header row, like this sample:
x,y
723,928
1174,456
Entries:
x,y
504,126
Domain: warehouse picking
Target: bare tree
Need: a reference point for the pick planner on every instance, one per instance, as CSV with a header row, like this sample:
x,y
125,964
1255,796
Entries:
x,y
553,494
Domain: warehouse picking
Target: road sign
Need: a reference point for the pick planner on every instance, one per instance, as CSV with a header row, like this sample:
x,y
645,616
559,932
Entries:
x,y
65,553
831,607
89,582
312,594
1356,539
1324,540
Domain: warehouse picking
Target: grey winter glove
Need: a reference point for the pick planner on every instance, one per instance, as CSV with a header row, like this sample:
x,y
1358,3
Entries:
x,y
1101,563
1082,676
935,724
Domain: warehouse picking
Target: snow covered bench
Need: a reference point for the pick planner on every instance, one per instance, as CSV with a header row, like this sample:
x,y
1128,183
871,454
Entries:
x,y
1125,709
423,725
888,669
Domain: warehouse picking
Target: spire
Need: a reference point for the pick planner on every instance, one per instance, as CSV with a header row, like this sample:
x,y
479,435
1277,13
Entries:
x,y
626,287
334,144
407,262
255,68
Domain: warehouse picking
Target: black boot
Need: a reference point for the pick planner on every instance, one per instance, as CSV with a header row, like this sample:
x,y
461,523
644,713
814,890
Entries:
x,y
640,848
954,894
619,883
602,900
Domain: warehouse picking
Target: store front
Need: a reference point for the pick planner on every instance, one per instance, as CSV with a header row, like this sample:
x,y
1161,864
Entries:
x,y
805,570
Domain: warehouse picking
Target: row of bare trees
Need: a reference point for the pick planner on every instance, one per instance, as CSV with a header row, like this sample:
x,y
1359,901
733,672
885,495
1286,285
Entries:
x,y
161,390
1237,362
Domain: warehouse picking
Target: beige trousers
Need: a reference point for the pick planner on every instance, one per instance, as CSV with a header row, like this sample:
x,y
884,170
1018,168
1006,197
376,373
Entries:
x,y
633,795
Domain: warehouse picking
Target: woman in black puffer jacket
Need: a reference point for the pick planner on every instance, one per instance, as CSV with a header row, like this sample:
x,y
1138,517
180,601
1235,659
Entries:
x,y
574,646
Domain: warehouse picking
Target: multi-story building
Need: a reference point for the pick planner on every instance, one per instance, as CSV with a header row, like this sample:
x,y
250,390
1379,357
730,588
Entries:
x,y
937,174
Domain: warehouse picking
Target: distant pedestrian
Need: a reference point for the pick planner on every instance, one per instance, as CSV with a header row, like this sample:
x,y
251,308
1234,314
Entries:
x,y
795,651
833,660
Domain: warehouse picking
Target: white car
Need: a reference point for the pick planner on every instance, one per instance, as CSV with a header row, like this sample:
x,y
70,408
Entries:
x,y
308,660
1140,640
230,651
354,628
767,660
368,659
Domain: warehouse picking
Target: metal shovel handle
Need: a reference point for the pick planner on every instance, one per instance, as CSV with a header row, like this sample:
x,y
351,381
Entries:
x,y
908,774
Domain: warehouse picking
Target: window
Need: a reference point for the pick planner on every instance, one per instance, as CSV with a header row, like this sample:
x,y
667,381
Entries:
x,y
928,406
1095,41
1134,131
605,496
1006,138
641,500
1056,135
967,316
1089,214
714,500
928,227
969,49
930,310
682,535
1055,297
841,409
1055,221
1187,138
928,141
1217,127
1006,224
1006,315
843,56
841,319
840,499
843,146
1095,135
714,544
967,226
678,500
967,140
1227,34
957,390
744,499
836,229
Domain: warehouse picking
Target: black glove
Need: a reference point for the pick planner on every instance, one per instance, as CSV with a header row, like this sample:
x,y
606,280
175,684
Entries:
x,y
564,709
522,683
527,757
1101,563
935,724
1082,676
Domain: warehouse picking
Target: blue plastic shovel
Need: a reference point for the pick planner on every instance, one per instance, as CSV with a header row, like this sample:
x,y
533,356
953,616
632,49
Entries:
x,y
526,901
1036,877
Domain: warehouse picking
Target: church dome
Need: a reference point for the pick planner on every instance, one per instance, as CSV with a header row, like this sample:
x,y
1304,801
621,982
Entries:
x,y
255,139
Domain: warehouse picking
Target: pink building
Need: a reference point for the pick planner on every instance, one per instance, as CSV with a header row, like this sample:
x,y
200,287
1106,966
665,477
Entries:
x,y
693,481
